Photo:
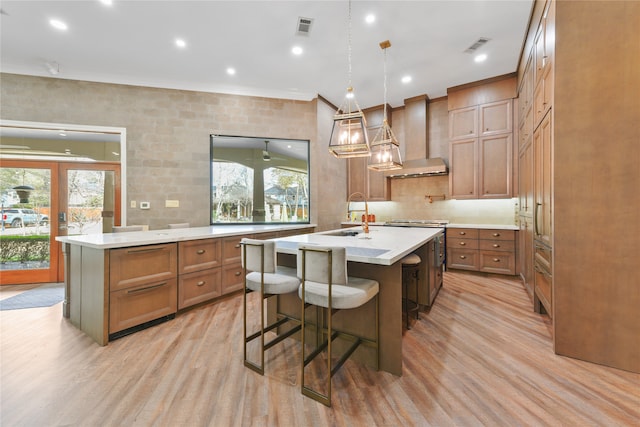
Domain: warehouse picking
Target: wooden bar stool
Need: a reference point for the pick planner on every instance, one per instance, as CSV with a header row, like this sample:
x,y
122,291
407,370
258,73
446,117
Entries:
x,y
262,275
410,272
325,284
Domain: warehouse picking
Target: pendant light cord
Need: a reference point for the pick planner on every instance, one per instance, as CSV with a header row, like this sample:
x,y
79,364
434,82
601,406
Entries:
x,y
349,44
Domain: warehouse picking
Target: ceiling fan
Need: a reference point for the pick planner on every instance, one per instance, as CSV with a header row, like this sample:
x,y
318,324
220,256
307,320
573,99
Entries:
x,y
266,156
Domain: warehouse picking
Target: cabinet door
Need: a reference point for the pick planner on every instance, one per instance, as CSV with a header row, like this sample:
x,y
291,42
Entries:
x,y
463,123
379,187
232,278
200,286
526,90
463,182
231,250
357,177
135,306
542,162
525,181
525,245
140,265
495,166
496,117
196,255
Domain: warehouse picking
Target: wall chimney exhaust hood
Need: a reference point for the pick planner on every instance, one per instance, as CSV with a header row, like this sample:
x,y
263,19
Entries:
x,y
420,167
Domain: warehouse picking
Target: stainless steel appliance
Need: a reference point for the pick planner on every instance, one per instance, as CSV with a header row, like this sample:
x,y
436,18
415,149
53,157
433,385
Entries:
x,y
429,223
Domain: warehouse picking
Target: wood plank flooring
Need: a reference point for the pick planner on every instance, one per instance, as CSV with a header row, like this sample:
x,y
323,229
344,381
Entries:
x,y
481,356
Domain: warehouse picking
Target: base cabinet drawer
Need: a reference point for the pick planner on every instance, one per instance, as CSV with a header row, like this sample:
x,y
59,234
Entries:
x,y
464,259
232,279
197,255
498,262
137,305
198,287
133,267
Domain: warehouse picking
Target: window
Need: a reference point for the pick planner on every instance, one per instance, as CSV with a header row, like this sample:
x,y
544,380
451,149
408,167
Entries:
x,y
259,180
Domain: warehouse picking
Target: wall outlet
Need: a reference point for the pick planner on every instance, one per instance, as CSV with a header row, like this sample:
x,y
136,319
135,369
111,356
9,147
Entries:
x,y
145,205
133,204
172,203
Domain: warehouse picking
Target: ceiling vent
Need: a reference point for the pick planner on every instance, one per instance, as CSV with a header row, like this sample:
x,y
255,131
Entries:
x,y
477,45
304,26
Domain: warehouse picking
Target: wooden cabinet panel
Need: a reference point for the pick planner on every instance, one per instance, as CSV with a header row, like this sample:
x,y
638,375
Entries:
x,y
496,158
462,243
508,235
137,305
231,249
487,250
140,265
199,286
497,262
526,130
481,166
496,117
463,123
543,294
464,233
232,278
196,255
525,181
543,164
525,251
463,259
463,182
361,179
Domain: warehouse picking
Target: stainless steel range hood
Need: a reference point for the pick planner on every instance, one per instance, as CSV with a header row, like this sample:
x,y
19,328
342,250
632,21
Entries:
x,y
420,167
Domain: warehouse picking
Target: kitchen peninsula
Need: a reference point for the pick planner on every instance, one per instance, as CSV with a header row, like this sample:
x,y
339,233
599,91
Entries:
x,y
116,283
375,255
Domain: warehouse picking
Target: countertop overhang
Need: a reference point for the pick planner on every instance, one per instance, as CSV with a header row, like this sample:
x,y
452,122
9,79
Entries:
x,y
153,237
383,245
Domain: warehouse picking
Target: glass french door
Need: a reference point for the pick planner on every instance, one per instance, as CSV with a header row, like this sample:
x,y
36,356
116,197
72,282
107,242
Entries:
x,y
60,199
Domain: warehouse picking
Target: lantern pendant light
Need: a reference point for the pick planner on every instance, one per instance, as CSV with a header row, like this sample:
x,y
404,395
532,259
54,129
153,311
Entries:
x,y
385,149
349,133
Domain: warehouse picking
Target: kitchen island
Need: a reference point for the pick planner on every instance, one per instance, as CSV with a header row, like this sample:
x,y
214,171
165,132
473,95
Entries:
x,y
374,256
118,283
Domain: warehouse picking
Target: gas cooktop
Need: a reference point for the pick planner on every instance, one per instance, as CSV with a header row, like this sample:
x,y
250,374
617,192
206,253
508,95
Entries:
x,y
433,223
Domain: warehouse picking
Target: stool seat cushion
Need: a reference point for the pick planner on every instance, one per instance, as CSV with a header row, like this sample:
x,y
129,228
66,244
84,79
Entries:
x,y
411,259
358,291
283,281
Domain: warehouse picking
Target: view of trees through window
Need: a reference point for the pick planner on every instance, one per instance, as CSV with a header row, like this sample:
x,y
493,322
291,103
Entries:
x,y
254,182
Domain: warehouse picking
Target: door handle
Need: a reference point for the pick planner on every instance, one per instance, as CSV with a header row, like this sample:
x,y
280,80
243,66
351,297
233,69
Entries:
x,y
535,218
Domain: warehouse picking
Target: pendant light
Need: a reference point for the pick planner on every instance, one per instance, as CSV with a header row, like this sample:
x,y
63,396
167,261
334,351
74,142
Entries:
x,y
349,133
385,149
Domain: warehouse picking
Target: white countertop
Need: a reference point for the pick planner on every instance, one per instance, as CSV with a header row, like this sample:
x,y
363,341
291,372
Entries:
x,y
384,245
152,237
485,226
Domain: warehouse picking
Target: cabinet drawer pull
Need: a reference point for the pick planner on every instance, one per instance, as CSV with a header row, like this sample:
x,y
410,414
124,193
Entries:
x,y
463,243
496,260
238,273
139,251
496,234
486,129
200,251
238,246
495,245
463,257
134,291
462,233
201,283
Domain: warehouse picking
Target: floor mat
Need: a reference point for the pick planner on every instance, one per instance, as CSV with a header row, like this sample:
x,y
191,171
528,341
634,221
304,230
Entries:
x,y
42,296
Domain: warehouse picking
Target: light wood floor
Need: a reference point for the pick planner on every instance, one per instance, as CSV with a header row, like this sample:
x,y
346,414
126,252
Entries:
x,y
479,357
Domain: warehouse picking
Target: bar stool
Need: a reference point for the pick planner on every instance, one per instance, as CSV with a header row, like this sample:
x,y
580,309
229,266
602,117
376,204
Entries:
x,y
262,275
410,271
126,228
326,285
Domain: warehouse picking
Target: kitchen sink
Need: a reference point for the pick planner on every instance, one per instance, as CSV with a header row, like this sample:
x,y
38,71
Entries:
x,y
343,233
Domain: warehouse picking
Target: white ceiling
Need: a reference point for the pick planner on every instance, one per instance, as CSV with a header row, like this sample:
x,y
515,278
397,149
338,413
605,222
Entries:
x,y
132,42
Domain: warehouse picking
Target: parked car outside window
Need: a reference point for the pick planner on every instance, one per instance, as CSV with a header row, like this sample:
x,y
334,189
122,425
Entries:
x,y
22,218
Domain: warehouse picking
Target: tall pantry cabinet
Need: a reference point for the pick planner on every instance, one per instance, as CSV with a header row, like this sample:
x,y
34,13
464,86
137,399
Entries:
x,y
585,211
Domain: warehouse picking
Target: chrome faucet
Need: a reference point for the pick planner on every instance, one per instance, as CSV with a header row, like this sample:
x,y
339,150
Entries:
x,y
365,223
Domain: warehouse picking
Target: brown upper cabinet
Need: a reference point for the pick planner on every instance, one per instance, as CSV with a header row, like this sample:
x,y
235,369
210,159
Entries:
x,y
481,150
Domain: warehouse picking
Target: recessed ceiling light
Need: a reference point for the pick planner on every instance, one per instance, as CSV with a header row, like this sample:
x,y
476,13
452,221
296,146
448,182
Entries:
x,y
406,79
480,58
58,24
181,43
231,71
107,2
370,18
296,50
